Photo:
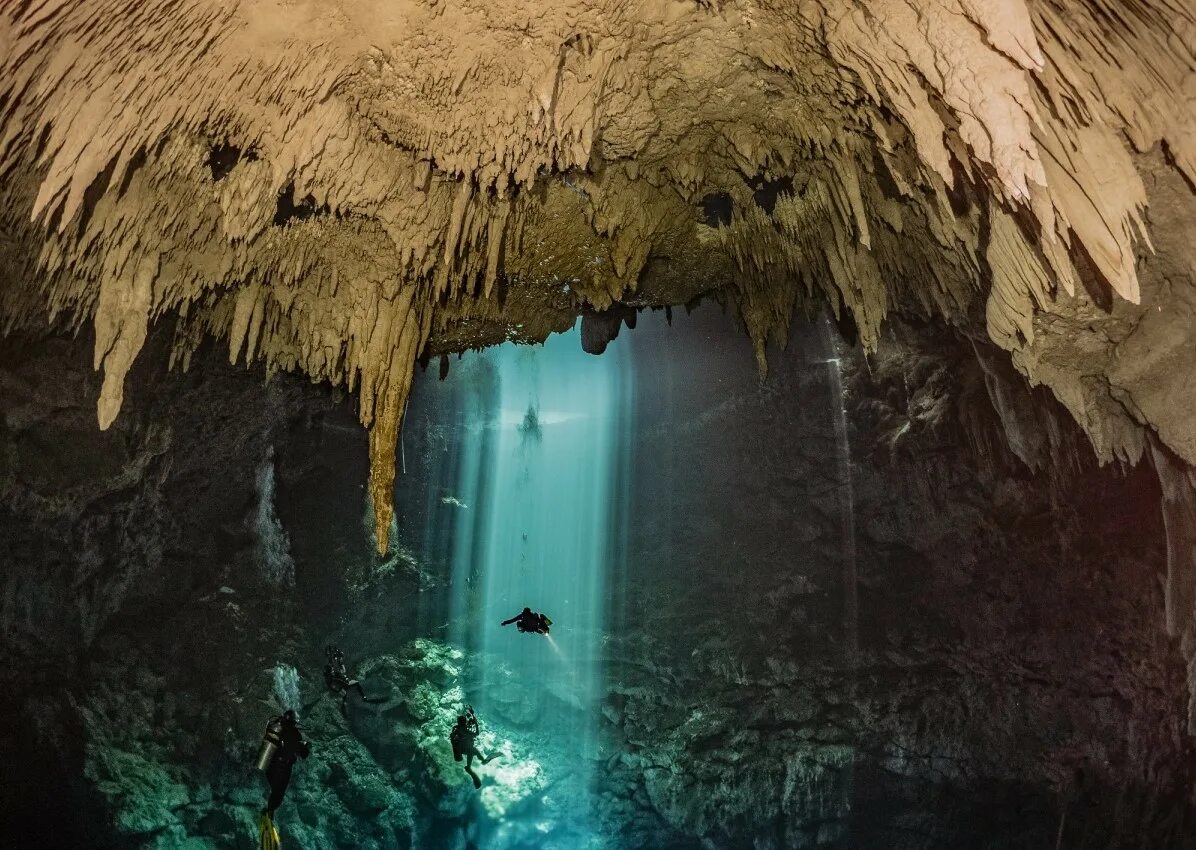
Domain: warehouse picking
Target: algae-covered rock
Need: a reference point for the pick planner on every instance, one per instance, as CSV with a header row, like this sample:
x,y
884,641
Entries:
x,y
363,794
143,793
177,839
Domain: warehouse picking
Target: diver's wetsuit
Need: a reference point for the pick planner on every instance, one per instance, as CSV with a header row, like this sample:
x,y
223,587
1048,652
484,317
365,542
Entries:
x,y
464,740
529,621
336,678
278,772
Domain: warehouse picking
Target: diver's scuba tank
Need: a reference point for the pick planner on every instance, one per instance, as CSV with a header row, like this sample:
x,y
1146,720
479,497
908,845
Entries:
x,y
271,741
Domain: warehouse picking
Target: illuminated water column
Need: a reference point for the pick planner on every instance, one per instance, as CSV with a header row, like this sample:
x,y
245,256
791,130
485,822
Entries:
x,y
550,505
540,463
838,411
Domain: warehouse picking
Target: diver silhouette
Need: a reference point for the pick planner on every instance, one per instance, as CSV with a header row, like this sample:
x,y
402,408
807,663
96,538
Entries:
x,y
336,678
464,740
282,745
529,621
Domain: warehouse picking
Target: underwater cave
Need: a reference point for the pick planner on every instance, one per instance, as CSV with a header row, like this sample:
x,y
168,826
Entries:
x,y
684,424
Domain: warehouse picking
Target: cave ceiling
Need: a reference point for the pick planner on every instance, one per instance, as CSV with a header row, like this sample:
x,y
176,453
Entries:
x,y
340,188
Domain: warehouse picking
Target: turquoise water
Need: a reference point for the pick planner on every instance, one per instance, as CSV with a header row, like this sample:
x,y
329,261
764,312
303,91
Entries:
x,y
530,512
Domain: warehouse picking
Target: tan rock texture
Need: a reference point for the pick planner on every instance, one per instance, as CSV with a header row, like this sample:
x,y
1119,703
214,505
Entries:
x,y
338,188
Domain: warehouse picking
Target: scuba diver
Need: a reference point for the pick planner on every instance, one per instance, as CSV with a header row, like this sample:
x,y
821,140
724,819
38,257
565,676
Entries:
x,y
336,678
282,744
528,620
464,740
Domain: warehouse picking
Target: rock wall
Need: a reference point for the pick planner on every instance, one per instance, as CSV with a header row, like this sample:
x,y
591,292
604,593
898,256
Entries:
x,y
851,611
136,603
987,697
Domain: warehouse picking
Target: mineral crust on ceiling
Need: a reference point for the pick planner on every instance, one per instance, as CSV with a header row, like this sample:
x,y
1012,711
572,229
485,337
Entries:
x,y
340,188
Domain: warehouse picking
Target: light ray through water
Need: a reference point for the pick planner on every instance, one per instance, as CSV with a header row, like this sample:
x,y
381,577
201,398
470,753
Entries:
x,y
537,510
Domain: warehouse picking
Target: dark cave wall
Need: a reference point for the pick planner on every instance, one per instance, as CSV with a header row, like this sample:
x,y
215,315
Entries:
x,y
157,508
131,567
1011,679
143,615
1027,597
1005,676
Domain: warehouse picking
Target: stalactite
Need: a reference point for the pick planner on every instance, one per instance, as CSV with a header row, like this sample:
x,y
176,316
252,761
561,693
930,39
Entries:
x,y
330,191
1178,483
386,417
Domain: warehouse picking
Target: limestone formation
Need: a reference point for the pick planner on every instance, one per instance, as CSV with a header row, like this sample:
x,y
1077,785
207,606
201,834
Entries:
x,y
343,188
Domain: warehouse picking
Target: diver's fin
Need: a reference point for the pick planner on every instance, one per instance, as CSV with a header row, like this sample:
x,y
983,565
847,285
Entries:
x,y
269,832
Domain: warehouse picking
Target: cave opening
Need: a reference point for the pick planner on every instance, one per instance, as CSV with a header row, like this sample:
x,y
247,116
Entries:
x,y
223,158
718,209
888,540
288,209
531,517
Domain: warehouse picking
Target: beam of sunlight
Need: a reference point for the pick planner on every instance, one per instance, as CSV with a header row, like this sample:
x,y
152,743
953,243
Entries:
x,y
537,511
838,409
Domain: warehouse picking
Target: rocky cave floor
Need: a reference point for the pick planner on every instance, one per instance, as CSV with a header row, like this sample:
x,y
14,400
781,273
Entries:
x,y
1004,682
